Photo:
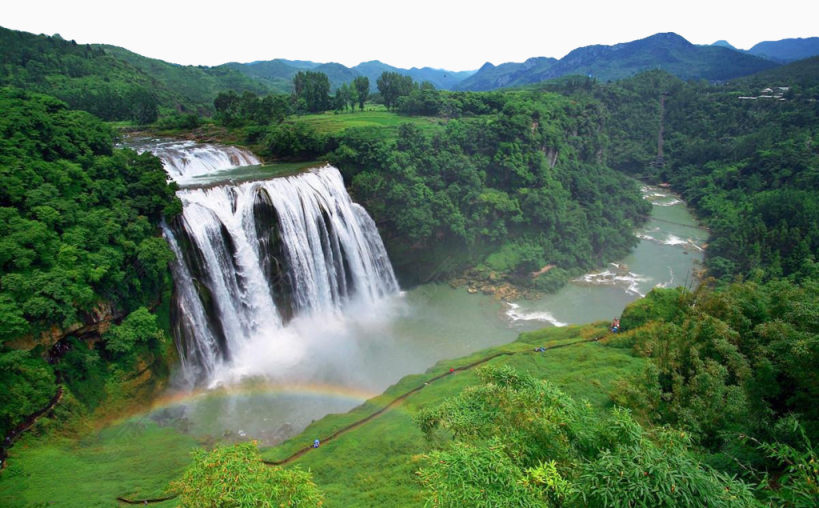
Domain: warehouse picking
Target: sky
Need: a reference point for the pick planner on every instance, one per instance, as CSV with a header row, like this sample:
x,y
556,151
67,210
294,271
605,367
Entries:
x,y
453,35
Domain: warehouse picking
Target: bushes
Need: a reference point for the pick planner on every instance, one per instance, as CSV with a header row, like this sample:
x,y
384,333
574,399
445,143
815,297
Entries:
x,y
235,476
519,441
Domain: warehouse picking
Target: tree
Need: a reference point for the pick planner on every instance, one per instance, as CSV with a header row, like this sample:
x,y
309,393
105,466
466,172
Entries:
x,y
362,88
313,88
236,476
227,106
393,85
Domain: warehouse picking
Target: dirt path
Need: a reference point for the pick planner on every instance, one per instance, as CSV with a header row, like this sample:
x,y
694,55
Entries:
x,y
15,433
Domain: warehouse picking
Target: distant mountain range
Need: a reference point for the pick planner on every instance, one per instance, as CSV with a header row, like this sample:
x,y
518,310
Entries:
x,y
787,50
279,73
104,79
666,51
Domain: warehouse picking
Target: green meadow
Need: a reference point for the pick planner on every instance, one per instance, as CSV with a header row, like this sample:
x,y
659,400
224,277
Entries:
x,y
374,116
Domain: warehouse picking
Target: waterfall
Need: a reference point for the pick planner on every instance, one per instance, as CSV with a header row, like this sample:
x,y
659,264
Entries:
x,y
184,161
254,256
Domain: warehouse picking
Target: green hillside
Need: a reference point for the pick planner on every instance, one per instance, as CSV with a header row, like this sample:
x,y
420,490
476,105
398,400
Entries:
x,y
110,82
195,86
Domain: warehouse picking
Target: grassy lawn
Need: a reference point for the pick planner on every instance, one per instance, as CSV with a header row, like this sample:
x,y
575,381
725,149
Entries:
x,y
372,464
135,458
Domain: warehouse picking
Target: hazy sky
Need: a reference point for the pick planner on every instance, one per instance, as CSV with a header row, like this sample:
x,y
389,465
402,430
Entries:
x,y
437,33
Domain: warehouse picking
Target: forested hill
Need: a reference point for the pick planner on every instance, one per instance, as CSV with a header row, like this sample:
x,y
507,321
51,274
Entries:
x,y
666,51
79,248
111,83
743,154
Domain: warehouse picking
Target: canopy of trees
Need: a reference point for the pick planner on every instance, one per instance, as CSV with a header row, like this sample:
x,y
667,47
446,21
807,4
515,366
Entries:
x,y
78,232
515,440
749,167
235,476
734,367
522,184
311,91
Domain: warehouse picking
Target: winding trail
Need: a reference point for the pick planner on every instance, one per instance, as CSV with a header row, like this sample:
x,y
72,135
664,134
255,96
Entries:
x,y
395,402
15,433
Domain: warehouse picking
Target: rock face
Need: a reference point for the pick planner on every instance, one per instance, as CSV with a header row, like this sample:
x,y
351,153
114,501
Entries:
x,y
93,325
492,284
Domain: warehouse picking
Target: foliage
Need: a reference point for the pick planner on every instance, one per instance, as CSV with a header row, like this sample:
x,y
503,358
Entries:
x,y
392,85
296,140
475,476
362,89
234,110
658,304
518,179
235,476
112,83
747,166
311,91
799,483
77,218
551,450
660,472
138,329
732,366
26,386
78,238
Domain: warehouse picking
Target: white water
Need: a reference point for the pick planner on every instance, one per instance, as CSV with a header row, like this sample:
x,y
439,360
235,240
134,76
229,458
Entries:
x,y
335,264
670,246
186,161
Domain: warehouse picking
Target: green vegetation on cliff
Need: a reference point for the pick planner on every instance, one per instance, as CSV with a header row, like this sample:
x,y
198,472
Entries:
x,y
514,189
79,248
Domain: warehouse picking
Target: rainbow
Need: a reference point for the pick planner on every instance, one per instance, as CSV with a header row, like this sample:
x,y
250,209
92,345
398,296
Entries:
x,y
264,388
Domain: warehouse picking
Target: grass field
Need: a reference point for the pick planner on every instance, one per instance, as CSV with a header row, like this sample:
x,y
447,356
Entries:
x,y
374,116
372,464
133,458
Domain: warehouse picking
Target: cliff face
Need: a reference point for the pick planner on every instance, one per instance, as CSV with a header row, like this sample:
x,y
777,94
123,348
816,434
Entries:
x,y
93,325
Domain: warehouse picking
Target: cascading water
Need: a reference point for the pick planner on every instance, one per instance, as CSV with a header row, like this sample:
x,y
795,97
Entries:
x,y
252,257
185,161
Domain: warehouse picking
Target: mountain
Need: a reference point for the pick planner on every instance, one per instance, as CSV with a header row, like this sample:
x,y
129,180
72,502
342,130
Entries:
x,y
195,84
490,77
725,44
787,50
667,51
110,82
802,74
279,73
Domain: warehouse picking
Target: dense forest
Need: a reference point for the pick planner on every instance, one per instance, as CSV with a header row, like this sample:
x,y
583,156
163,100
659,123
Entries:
x,y
80,243
742,154
110,82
